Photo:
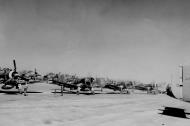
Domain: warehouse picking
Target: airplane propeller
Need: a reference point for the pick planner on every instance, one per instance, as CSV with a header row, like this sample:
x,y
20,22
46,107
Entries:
x,y
14,63
35,72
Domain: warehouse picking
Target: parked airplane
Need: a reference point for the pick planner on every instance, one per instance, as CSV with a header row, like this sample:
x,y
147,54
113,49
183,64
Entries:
x,y
120,86
75,83
33,76
10,78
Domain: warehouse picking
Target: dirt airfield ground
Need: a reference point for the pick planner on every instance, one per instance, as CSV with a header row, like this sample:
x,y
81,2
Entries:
x,y
43,109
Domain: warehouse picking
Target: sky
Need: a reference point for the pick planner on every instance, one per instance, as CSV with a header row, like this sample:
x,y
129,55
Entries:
x,y
143,40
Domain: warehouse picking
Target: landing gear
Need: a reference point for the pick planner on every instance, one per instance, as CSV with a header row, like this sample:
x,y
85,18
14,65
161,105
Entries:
x,y
127,91
20,88
101,89
62,88
78,91
25,94
92,90
121,90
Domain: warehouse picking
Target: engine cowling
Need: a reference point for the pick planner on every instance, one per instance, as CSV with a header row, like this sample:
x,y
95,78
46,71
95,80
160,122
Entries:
x,y
13,74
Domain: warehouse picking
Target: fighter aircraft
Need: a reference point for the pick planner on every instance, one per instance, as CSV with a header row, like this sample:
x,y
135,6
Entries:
x,y
144,87
75,83
33,76
10,78
151,88
119,86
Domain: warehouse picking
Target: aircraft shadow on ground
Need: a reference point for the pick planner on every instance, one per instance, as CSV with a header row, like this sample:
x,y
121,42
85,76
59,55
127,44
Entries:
x,y
70,92
16,92
85,93
175,112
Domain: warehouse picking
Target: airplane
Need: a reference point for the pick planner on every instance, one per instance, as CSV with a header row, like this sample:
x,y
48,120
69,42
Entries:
x,y
33,76
144,87
119,86
10,78
75,83
49,77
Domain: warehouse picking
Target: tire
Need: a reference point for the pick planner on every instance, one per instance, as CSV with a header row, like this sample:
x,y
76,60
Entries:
x,y
93,92
77,93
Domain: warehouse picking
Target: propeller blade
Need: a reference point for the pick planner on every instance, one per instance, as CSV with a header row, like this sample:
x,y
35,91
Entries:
x,y
14,63
35,71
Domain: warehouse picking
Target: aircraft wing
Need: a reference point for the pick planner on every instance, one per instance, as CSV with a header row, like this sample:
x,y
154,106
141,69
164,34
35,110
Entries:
x,y
65,84
113,87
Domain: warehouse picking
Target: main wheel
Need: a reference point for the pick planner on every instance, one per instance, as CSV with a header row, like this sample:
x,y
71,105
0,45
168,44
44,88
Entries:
x,y
77,93
93,92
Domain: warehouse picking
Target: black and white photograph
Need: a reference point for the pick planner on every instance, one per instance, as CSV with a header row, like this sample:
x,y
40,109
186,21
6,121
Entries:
x,y
94,62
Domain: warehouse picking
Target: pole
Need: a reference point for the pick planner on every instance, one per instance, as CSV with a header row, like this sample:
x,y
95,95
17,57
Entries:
x,y
182,74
